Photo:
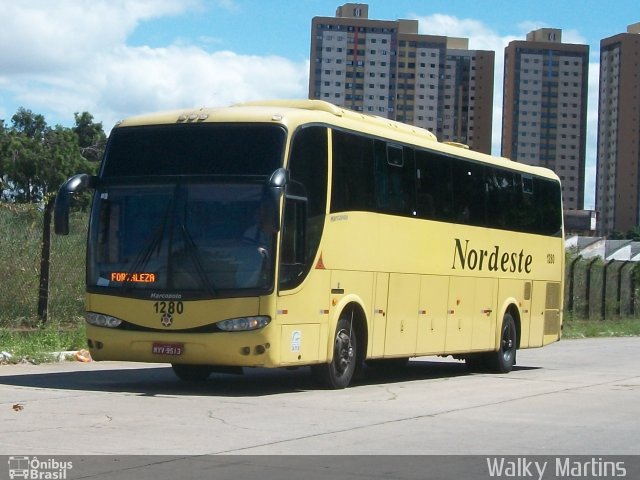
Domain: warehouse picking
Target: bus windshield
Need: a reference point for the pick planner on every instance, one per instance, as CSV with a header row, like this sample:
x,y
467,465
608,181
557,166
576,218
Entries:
x,y
180,208
201,240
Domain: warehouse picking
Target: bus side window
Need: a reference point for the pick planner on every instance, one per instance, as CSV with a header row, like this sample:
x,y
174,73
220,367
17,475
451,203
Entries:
x,y
352,184
469,193
394,178
293,255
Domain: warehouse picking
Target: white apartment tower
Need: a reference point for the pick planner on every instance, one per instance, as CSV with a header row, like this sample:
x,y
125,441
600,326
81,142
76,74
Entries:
x,y
386,68
545,108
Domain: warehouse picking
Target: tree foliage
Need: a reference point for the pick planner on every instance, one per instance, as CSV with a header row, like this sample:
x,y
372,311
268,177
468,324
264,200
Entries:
x,y
35,158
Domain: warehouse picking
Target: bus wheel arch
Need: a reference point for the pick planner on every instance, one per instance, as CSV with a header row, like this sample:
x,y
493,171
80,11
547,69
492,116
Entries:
x,y
347,348
515,313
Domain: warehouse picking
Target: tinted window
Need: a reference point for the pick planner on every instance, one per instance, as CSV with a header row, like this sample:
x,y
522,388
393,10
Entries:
x,y
352,182
308,166
434,186
456,190
548,198
305,206
395,178
194,149
468,193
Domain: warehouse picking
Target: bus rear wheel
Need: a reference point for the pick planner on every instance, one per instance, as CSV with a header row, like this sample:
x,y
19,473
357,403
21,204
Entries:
x,y
339,372
191,373
503,360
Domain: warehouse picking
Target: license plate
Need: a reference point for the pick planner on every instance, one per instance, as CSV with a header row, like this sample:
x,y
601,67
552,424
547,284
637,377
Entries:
x,y
174,349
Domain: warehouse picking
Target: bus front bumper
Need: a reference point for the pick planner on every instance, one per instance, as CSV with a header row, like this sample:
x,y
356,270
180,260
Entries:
x,y
244,349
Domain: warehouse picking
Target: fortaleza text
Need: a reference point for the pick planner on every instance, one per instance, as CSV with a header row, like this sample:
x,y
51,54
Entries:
x,y
565,467
493,260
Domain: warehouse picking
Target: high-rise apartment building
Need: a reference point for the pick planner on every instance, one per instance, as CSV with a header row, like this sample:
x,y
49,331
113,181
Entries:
x,y
386,68
544,118
618,174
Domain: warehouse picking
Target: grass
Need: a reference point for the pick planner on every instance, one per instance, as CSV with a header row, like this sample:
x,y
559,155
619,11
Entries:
x,y
37,345
579,328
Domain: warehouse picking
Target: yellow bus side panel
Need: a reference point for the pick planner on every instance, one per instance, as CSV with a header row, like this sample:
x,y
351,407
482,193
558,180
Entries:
x,y
402,316
484,315
304,316
538,299
432,321
378,316
552,313
460,314
299,344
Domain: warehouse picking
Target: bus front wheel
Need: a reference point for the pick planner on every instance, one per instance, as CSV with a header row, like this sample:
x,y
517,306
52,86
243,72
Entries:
x,y
339,372
503,360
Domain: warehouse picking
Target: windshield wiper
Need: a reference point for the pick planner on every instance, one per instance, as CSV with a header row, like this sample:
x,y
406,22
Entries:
x,y
144,256
192,251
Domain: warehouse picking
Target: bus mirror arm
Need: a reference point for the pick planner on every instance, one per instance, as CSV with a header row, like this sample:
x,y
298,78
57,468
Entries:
x,y
276,186
76,184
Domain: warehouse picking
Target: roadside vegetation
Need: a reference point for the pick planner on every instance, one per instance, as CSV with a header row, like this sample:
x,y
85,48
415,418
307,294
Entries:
x,y
583,328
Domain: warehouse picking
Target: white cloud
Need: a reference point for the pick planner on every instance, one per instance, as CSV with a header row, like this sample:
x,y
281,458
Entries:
x,y
77,58
39,36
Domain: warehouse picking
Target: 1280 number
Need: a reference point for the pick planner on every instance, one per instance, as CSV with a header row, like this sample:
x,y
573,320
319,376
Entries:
x,y
169,307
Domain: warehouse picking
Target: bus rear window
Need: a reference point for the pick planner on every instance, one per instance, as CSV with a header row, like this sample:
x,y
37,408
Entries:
x,y
188,149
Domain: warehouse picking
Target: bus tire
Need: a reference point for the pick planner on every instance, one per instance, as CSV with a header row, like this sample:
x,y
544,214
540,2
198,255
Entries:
x,y
503,360
339,372
191,373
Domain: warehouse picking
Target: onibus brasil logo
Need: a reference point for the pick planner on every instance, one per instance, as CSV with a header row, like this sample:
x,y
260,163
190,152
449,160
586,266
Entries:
x,y
37,469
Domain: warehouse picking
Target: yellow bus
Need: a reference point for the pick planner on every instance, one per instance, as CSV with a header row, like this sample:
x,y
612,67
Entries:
x,y
297,233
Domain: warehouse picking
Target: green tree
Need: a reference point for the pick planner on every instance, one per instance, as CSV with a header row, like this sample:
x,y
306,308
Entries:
x,y
35,159
91,136
634,234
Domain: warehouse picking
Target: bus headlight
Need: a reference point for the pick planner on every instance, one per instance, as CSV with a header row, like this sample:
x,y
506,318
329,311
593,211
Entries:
x,y
101,320
243,324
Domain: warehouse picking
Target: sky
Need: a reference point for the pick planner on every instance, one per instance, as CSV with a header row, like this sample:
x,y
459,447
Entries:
x,y
117,58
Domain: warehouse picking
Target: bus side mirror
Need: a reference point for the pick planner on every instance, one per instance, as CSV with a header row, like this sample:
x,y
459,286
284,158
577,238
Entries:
x,y
275,190
76,184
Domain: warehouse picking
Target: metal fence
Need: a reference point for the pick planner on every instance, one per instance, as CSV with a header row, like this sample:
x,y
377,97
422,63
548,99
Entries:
x,y
598,289
20,252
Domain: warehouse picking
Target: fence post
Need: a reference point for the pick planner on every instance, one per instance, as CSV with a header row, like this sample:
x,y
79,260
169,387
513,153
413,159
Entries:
x,y
572,282
45,263
603,303
632,281
620,272
588,285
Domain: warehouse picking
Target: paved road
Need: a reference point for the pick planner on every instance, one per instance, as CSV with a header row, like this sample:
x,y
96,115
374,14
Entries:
x,y
574,397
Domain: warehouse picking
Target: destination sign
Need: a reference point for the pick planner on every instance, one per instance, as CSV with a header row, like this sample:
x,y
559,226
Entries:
x,y
137,277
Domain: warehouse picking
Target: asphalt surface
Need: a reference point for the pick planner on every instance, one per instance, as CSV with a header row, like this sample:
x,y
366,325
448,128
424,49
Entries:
x,y
570,398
